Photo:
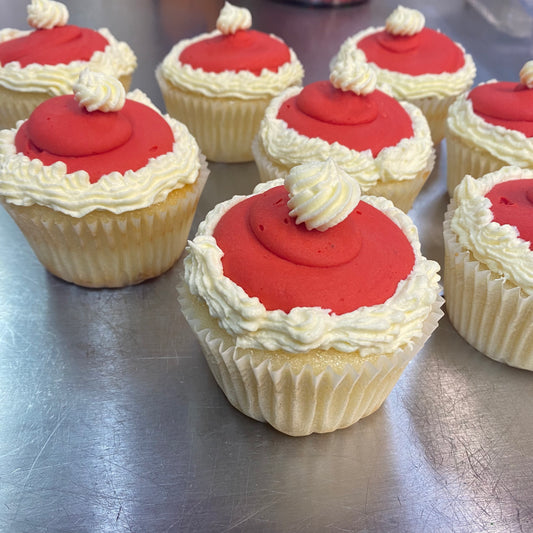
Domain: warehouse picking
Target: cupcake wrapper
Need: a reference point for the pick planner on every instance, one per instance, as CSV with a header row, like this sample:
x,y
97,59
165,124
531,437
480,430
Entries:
x,y
223,127
18,105
102,249
401,193
489,312
298,401
435,110
463,160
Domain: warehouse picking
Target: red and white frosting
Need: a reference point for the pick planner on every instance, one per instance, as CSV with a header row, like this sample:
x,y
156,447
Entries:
x,y
50,57
414,61
498,116
96,149
366,131
356,283
233,60
493,219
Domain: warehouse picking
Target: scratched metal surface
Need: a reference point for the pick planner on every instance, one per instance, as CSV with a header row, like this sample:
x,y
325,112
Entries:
x,y
111,421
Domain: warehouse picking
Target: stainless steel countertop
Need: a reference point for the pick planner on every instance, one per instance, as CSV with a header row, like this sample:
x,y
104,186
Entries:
x,y
111,421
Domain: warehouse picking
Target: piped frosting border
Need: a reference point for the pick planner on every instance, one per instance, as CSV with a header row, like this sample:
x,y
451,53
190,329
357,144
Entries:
x,y
498,246
229,84
395,163
405,86
380,329
26,182
117,59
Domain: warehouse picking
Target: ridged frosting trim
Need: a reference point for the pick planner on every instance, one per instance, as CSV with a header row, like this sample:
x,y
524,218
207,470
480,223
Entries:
x,y
511,146
242,84
232,19
379,329
498,246
117,59
405,21
394,163
321,194
47,14
405,86
98,91
26,182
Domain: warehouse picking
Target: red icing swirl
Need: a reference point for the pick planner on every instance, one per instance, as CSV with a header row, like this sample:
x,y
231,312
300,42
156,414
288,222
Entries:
x,y
427,52
244,50
506,104
62,44
373,121
357,263
512,203
97,142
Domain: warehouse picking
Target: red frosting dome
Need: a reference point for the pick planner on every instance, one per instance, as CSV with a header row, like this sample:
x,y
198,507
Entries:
x,y
62,44
244,50
100,143
374,121
426,52
512,203
506,104
357,263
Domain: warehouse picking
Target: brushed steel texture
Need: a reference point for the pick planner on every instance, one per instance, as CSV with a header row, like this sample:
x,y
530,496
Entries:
x,y
111,421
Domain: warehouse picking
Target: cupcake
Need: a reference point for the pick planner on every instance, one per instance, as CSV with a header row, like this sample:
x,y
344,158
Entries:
x,y
491,127
420,65
383,144
46,61
220,83
308,300
488,274
103,187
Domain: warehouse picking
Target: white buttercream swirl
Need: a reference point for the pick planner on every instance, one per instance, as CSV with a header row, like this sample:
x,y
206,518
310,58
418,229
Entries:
x,y
47,14
232,19
369,330
510,146
408,87
116,59
95,90
405,21
24,181
498,246
321,195
228,84
395,163
526,74
351,72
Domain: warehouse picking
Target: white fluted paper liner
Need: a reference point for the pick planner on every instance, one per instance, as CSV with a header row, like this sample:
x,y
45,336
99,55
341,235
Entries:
x,y
298,399
103,249
223,127
19,105
463,159
401,193
435,110
490,313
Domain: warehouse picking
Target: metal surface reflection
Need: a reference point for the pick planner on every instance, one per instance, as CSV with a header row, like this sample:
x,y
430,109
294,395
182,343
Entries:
x,y
111,421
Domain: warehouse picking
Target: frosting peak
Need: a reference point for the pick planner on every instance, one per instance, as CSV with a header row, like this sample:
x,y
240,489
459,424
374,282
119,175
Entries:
x,y
232,19
98,91
321,194
351,72
404,21
47,14
526,74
